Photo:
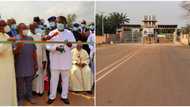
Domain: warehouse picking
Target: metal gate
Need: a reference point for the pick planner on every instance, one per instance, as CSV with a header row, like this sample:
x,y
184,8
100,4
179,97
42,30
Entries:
x,y
127,37
130,36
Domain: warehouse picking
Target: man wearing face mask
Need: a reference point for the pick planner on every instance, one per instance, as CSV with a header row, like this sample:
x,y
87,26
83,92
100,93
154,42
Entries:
x,y
13,28
81,78
60,58
92,27
52,23
38,82
40,23
91,40
7,74
7,30
52,26
76,31
84,33
91,43
25,65
84,36
83,25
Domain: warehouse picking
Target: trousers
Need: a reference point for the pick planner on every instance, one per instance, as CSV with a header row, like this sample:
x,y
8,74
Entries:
x,y
54,83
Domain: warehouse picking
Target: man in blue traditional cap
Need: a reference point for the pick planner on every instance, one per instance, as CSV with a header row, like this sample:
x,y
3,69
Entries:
x,y
51,27
52,23
13,27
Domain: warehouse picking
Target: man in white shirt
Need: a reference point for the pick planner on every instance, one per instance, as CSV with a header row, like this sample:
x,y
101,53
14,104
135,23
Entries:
x,y
38,81
91,43
61,59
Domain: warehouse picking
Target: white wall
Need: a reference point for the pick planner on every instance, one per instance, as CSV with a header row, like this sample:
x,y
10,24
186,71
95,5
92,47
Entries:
x,y
184,39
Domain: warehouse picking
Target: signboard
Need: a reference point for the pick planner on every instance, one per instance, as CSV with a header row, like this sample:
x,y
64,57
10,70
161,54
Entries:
x,y
148,31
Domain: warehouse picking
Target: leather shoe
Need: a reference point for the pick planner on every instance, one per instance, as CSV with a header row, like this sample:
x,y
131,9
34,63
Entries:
x,y
50,101
65,100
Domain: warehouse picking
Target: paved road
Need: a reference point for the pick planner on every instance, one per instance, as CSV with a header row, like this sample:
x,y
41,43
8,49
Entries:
x,y
133,74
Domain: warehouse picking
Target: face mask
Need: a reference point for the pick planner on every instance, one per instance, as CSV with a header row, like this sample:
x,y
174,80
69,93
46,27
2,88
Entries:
x,y
38,31
75,28
13,26
25,32
92,27
52,24
41,26
7,29
60,26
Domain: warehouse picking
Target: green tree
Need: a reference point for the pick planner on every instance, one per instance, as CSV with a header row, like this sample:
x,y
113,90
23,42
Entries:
x,y
98,24
111,22
116,19
70,19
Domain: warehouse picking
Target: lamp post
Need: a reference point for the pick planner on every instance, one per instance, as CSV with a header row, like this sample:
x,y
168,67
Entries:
x,y
102,13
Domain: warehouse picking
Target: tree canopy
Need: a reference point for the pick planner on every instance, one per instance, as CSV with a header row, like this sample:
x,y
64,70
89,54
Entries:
x,y
70,19
111,22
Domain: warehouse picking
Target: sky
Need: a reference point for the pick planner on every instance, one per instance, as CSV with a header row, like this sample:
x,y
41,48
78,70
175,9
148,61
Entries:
x,y
24,11
166,12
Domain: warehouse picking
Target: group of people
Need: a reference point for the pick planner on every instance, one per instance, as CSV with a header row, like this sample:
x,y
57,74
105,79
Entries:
x,y
66,56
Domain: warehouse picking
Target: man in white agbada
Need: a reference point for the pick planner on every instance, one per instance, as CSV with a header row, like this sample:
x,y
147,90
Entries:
x,y
38,82
7,75
91,43
61,60
80,74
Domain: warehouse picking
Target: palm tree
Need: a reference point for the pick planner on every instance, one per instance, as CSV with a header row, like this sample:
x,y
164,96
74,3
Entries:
x,y
119,18
115,19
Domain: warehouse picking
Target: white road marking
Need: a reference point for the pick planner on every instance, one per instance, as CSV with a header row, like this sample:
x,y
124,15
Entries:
x,y
116,66
112,64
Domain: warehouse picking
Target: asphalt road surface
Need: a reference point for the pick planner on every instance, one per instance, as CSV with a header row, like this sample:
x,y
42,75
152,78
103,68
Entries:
x,y
136,74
